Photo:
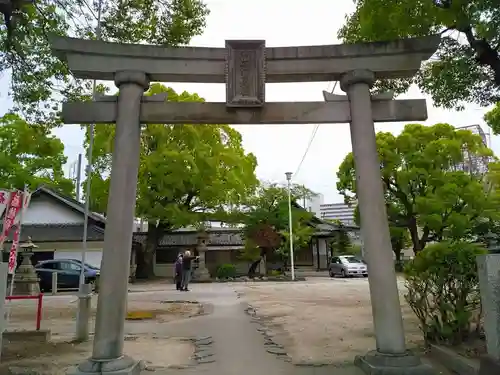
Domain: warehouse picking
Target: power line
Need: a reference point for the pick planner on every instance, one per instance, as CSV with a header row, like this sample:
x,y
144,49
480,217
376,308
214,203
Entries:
x,y
311,139
313,134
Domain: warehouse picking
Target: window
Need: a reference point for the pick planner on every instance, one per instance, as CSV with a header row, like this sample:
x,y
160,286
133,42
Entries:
x,y
48,266
69,266
351,260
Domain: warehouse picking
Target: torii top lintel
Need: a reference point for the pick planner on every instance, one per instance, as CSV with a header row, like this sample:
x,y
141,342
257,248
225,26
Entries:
x,y
91,59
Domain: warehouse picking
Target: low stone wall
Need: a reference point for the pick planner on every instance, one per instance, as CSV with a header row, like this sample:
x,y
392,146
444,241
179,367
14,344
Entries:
x,y
453,361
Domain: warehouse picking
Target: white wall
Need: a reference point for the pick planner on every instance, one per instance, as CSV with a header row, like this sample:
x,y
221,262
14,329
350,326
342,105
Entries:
x,y
43,210
92,257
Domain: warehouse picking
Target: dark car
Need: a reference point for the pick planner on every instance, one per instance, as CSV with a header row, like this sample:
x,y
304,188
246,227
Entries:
x,y
68,273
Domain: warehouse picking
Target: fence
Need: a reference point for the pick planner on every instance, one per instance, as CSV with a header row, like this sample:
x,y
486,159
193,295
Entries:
x,y
55,289
39,306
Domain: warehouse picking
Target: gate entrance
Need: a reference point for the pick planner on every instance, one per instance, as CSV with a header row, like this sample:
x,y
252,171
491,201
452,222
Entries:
x,y
245,66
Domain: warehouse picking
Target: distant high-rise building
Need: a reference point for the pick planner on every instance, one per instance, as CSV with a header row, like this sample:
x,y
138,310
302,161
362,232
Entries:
x,y
313,204
473,164
338,211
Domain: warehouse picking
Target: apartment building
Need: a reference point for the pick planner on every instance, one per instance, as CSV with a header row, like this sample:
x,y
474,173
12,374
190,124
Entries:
x,y
338,211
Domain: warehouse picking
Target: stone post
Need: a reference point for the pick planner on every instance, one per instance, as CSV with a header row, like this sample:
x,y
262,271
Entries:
x,y
489,282
390,354
202,273
84,312
107,354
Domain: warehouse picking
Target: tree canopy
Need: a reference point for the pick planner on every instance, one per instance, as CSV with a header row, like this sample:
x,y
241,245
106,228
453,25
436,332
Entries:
x,y
187,175
492,118
466,68
265,215
31,155
431,186
40,81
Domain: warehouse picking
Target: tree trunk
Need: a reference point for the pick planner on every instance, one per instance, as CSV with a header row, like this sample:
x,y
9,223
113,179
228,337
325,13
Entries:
x,y
415,239
285,265
255,264
145,257
399,263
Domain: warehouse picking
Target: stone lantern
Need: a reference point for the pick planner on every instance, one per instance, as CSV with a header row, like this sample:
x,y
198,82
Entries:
x,y
25,279
201,273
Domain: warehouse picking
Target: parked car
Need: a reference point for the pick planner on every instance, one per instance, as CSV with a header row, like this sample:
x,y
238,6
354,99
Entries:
x,y
347,265
68,273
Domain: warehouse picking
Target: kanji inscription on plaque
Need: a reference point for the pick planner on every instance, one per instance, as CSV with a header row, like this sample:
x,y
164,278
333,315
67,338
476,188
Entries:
x,y
245,73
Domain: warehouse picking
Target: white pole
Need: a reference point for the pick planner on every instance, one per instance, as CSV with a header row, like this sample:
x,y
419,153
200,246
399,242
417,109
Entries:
x,y
78,176
89,167
292,265
85,292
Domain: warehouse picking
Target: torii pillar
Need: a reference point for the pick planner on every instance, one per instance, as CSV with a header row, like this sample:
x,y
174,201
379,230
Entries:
x,y
391,355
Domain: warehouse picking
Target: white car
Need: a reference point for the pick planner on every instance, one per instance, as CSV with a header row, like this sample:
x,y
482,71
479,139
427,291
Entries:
x,y
347,265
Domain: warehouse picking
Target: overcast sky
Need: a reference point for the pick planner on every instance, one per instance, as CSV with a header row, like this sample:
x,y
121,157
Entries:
x,y
279,148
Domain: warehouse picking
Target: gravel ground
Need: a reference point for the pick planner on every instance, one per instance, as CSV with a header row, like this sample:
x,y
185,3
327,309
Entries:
x,y
322,320
144,339
59,312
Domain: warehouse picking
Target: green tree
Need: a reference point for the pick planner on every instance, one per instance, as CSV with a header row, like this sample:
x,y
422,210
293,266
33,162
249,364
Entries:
x,y
187,175
31,155
427,188
341,243
40,81
492,118
466,67
266,219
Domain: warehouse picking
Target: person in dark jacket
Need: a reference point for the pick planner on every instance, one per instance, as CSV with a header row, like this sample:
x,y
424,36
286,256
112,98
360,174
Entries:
x,y
178,272
187,262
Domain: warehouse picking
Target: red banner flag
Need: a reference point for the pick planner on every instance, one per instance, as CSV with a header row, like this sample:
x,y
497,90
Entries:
x,y
14,205
13,250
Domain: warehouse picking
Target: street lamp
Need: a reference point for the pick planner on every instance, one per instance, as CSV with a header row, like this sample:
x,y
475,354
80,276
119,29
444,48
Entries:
x,y
288,179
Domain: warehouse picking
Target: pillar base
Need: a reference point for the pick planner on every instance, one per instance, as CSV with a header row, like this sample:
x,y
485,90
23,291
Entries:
x,y
375,363
124,365
489,365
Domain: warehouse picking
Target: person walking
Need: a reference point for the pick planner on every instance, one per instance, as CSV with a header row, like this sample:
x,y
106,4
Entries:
x,y
178,271
187,263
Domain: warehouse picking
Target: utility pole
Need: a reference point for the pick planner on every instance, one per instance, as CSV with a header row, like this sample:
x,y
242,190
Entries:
x,y
85,290
78,176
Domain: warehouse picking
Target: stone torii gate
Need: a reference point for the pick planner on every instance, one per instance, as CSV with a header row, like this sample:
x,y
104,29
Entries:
x,y
245,67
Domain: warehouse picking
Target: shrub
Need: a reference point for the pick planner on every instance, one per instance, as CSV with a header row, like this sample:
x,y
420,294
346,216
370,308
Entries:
x,y
443,291
226,271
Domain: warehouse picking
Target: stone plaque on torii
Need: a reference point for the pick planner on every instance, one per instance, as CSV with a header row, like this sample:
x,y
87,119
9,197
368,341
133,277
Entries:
x,y
245,67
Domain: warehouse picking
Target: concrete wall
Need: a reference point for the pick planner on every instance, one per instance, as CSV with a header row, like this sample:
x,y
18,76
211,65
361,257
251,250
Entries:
x,y
44,210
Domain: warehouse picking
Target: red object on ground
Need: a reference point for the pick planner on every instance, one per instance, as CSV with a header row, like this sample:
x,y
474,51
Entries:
x,y
39,306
